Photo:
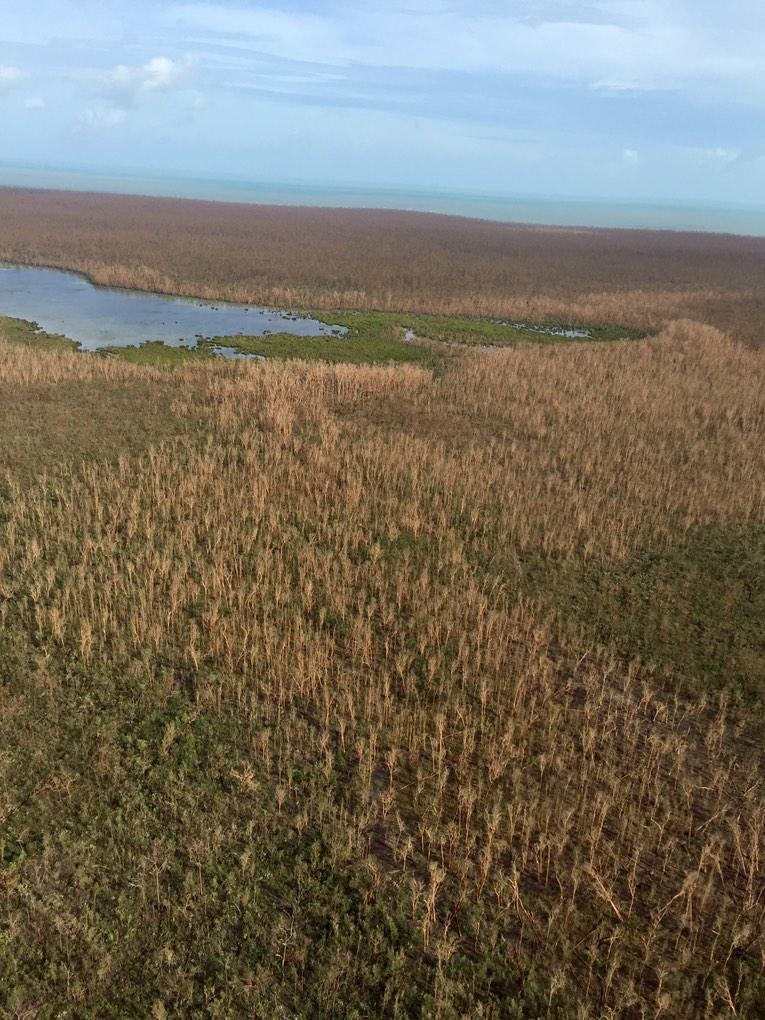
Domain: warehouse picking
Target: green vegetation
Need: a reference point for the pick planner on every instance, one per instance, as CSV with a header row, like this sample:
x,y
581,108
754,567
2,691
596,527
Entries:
x,y
383,337
472,331
175,879
692,612
157,352
348,691
20,331
371,338
359,347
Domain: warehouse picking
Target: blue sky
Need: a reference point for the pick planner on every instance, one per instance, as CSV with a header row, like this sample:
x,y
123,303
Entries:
x,y
661,100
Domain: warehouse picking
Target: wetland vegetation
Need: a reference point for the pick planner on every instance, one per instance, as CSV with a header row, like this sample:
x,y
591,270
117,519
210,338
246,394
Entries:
x,y
401,690
22,331
380,337
411,668
144,328
368,338
275,256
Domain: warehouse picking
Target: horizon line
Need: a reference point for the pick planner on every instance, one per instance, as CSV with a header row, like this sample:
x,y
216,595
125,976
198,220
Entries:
x,y
484,201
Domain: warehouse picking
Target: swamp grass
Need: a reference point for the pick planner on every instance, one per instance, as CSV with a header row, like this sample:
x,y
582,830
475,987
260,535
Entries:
x,y
370,338
467,330
378,691
373,338
356,259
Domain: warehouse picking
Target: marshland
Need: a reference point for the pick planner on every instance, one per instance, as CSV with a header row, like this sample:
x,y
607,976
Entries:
x,y
351,684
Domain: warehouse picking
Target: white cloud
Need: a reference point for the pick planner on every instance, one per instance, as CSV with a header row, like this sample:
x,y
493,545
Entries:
x,y
162,73
34,103
723,155
10,76
630,156
717,156
621,45
613,85
98,118
125,84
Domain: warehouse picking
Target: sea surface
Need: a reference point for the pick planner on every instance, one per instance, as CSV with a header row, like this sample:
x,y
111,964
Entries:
x,y
66,303
512,209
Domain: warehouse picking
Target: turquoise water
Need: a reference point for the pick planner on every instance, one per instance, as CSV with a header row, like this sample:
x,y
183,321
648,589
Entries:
x,y
560,212
103,316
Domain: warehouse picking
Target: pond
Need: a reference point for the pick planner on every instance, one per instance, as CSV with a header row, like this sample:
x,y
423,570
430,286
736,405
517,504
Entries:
x,y
66,303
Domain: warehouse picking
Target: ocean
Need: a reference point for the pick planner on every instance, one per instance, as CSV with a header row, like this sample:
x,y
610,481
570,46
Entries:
x,y
507,208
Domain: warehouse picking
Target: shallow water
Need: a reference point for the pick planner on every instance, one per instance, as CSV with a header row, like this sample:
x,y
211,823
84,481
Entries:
x,y
65,303
569,334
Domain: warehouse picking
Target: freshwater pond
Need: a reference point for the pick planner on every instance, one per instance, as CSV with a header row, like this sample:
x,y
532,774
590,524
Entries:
x,y
66,303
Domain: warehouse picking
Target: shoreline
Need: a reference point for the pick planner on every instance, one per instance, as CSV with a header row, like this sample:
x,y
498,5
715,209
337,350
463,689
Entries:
x,y
471,206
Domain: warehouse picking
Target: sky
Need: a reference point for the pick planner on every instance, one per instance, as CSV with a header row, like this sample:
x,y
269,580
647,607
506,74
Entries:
x,y
653,100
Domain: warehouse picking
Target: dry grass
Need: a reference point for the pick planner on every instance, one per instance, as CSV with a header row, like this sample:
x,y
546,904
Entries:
x,y
64,409
360,259
333,567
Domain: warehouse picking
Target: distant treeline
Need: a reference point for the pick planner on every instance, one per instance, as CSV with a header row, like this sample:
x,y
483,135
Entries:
x,y
380,259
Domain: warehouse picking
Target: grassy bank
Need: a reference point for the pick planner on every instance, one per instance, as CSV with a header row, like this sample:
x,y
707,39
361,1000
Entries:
x,y
471,331
369,338
156,352
21,331
354,691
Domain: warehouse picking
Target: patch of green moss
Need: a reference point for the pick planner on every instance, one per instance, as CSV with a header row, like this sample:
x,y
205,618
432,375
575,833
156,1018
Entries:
x,y
29,334
468,331
156,352
381,337
354,348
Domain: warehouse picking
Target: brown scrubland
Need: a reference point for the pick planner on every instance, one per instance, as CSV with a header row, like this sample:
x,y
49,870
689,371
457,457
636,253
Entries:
x,y
369,691
386,260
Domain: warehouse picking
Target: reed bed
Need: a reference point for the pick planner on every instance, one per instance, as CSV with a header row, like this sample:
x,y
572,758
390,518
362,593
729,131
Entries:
x,y
332,564
390,261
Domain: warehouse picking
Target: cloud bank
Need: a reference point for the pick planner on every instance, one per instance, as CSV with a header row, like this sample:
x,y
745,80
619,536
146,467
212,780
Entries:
x,y
661,99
